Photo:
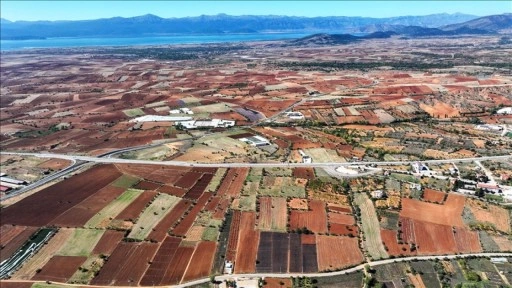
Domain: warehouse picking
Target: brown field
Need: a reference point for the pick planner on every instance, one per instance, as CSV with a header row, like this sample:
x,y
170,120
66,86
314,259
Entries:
x,y
41,208
147,185
342,229
234,232
433,195
335,252
339,218
160,263
78,215
467,241
315,219
447,214
182,228
10,247
504,242
194,233
126,265
160,230
273,213
201,262
389,237
233,182
55,164
9,232
298,204
178,265
108,242
171,190
304,172
28,270
248,240
59,268
276,283
135,208
434,238
496,215
188,180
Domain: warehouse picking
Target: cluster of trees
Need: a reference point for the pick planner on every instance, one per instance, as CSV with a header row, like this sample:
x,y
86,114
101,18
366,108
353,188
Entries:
x,y
361,65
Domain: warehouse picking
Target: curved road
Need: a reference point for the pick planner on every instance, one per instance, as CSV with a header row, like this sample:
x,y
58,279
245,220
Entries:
x,y
287,275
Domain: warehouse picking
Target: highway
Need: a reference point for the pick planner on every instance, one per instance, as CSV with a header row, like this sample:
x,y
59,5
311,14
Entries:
x,y
287,275
105,159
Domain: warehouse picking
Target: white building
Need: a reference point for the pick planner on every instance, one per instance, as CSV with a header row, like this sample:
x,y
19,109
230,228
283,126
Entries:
x,y
181,111
213,123
295,115
255,141
421,168
228,267
158,118
506,111
305,158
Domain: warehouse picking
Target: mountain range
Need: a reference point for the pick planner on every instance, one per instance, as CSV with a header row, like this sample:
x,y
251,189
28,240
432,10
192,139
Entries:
x,y
151,25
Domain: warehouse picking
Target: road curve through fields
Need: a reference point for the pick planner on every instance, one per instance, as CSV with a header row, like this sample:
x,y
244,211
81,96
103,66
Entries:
x,y
287,275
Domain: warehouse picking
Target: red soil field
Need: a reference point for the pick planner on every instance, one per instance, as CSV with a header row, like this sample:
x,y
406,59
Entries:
x,y
276,282
265,214
247,244
337,252
342,229
81,213
171,190
108,242
55,164
447,214
160,230
204,170
197,190
233,182
467,241
233,236
308,239
160,263
315,219
433,195
182,228
133,210
434,238
202,260
222,208
304,172
60,268
12,284
212,205
336,208
273,213
389,237
126,265
163,174
407,228
178,265
147,185
188,180
9,248
341,218
9,232
41,208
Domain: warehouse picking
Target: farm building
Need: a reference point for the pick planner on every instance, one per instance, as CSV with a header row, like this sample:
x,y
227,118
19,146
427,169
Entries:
x,y
305,158
12,180
255,141
421,168
506,111
295,115
213,123
181,111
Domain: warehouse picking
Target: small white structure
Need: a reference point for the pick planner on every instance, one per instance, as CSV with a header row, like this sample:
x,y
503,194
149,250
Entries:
x,y
421,168
228,267
377,194
305,158
181,111
213,123
488,127
255,141
505,111
12,180
158,118
295,115
499,260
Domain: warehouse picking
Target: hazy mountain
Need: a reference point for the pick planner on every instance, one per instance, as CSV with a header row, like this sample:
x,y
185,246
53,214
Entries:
x,y
490,23
151,25
4,21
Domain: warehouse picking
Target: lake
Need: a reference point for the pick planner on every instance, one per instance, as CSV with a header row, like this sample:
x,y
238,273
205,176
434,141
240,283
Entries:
x,y
7,45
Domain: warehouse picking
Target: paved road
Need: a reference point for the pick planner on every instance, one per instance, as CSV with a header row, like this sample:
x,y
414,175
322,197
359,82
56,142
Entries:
x,y
102,159
287,275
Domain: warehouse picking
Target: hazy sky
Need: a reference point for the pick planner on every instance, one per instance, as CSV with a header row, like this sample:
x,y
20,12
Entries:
x,y
78,10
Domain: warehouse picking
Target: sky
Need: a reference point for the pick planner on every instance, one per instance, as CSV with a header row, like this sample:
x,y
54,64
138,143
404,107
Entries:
x,y
81,10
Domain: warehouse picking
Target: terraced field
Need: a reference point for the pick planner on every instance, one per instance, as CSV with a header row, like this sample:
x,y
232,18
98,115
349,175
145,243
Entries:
x,y
371,227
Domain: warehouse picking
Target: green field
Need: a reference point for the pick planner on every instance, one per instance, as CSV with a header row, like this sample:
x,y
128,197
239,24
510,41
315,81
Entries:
x,y
281,187
371,227
252,182
162,204
125,181
217,178
103,218
248,203
134,112
87,270
210,234
81,242
213,108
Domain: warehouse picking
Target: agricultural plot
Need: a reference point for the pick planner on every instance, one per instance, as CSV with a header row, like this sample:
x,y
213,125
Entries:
x,y
81,242
157,210
447,214
335,252
273,214
134,112
321,155
60,268
315,219
103,218
371,227
283,187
